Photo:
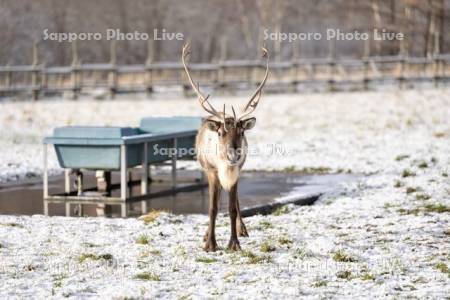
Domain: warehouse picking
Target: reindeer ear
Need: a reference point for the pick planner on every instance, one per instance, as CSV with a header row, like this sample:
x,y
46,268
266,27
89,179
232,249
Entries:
x,y
248,124
213,125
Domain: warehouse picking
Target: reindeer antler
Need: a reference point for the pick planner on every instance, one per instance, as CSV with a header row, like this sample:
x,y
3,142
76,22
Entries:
x,y
252,103
249,107
201,98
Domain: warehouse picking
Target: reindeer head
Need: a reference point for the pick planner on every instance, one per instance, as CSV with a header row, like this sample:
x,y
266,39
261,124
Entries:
x,y
230,129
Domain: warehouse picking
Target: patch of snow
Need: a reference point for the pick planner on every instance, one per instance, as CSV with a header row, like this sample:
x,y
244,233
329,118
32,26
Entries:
x,y
383,235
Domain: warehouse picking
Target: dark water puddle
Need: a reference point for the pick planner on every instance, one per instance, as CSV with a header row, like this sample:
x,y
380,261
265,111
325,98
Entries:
x,y
255,188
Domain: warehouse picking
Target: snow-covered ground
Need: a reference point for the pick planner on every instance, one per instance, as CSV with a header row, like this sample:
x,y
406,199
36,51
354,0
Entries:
x,y
386,235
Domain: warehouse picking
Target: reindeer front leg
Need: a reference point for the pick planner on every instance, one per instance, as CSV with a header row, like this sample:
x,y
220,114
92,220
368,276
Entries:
x,y
232,209
214,196
240,226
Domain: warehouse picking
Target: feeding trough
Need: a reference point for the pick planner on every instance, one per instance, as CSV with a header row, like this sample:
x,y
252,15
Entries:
x,y
107,149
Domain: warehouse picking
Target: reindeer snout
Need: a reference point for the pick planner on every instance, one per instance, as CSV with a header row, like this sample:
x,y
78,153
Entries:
x,y
234,155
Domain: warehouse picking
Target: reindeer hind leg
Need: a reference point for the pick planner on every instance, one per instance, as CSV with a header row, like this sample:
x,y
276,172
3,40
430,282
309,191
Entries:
x,y
240,226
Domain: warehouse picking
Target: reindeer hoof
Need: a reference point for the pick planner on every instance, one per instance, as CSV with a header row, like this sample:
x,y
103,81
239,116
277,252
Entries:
x,y
242,230
210,246
234,245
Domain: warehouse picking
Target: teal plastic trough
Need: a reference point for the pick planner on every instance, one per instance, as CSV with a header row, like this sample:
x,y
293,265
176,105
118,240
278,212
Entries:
x,y
98,148
166,125
169,124
95,148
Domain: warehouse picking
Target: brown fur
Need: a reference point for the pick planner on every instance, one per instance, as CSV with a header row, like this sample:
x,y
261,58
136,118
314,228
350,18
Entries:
x,y
221,150
222,171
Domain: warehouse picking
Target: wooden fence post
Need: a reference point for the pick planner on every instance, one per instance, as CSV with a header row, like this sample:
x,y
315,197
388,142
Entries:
x,y
222,59
44,82
366,63
35,72
331,65
113,70
8,77
74,70
148,67
436,61
401,72
295,65
401,64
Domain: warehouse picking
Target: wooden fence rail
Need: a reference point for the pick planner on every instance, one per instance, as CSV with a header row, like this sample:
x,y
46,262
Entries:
x,y
39,79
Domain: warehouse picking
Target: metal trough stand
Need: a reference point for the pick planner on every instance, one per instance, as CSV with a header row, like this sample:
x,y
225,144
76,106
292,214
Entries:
x,y
124,149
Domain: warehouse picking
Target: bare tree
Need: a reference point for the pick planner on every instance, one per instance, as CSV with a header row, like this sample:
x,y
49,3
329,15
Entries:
x,y
207,22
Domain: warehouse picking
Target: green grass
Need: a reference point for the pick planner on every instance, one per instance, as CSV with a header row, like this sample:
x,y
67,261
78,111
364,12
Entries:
x,y
437,208
150,217
106,256
267,247
290,169
408,173
341,256
90,245
92,256
57,279
423,164
414,211
348,171
401,157
86,256
12,225
315,170
320,283
429,208
367,276
398,184
155,252
147,276
281,210
175,221
284,240
423,196
265,224
444,174
308,170
143,239
388,205
443,268
410,189
206,260
149,252
301,253
255,259
344,274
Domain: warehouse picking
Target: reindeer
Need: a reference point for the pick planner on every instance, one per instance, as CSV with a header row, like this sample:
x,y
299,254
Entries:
x,y
221,148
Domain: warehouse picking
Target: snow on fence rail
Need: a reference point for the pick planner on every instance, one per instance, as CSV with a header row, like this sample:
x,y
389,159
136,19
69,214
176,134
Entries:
x,y
39,78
